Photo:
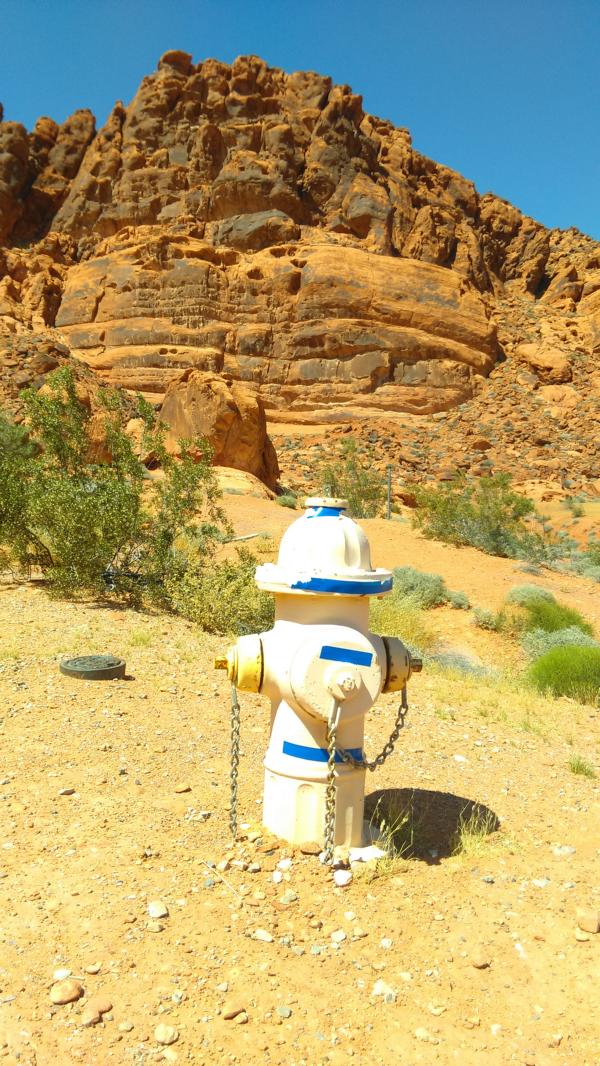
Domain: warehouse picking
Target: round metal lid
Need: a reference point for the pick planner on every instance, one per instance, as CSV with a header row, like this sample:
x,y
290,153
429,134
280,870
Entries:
x,y
94,667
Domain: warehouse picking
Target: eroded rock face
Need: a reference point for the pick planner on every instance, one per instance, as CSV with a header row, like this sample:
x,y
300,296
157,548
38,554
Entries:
x,y
238,220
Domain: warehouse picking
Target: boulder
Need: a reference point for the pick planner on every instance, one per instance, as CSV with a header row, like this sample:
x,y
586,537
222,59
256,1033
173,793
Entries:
x,y
550,364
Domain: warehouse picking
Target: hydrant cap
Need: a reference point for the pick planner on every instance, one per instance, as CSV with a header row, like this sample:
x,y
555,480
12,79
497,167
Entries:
x,y
324,553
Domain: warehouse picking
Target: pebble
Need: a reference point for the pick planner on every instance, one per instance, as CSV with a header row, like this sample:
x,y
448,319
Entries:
x,y
165,1034
426,1036
66,791
284,1012
338,936
262,935
289,897
386,942
99,1003
254,868
93,968
89,1016
232,1010
479,960
387,993
154,927
563,849
158,909
284,864
241,1019
66,991
588,919
310,847
277,877
126,1027
61,974
581,936
342,878
183,788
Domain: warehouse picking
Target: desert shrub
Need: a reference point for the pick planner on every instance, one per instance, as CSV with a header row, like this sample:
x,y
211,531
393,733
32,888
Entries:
x,y
537,642
287,500
524,594
551,616
348,477
92,527
395,617
580,766
427,590
485,619
223,598
488,515
572,671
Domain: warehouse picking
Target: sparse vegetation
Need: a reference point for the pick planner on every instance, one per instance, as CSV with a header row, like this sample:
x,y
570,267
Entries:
x,y
485,619
223,598
426,590
287,500
537,642
488,515
524,594
475,826
581,767
395,617
348,477
571,671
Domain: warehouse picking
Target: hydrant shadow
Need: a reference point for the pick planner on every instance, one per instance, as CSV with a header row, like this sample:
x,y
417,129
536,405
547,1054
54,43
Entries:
x,y
421,824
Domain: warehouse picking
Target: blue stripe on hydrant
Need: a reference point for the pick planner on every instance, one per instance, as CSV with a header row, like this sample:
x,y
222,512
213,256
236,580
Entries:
x,y
324,512
346,655
303,751
348,588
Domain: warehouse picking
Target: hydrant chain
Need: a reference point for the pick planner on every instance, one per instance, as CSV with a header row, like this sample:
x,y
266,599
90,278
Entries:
x,y
388,747
330,790
235,759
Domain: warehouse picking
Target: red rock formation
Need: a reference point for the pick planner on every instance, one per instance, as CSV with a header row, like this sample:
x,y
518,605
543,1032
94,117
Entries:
x,y
240,220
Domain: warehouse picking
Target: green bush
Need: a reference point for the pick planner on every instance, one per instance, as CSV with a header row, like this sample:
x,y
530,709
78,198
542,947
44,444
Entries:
x,y
524,594
551,617
572,671
488,515
427,590
485,619
347,477
537,642
394,617
287,500
91,527
223,598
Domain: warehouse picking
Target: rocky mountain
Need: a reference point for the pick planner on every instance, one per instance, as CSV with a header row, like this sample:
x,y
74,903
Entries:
x,y
239,241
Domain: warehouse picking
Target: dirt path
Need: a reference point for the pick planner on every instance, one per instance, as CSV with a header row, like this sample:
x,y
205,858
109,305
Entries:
x,y
477,952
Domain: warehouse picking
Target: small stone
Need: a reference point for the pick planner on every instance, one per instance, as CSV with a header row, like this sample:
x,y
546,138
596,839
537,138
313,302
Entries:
x,y
581,936
310,847
338,936
289,897
563,849
99,1003
555,1040
479,959
93,968
241,1019
588,919
89,1017
154,927
263,935
358,933
125,1027
158,909
183,788
342,878
387,993
66,791
277,877
66,991
62,973
284,1012
254,868
386,942
426,1036
165,1034
231,1011
284,864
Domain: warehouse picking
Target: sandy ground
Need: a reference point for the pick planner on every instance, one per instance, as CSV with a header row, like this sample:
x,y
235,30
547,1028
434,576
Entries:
x,y
478,951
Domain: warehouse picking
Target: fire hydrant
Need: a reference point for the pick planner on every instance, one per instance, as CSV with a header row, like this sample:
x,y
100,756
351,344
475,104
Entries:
x,y
322,670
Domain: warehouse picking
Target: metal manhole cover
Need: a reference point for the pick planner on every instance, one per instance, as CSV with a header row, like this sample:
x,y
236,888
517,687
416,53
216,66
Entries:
x,y
94,667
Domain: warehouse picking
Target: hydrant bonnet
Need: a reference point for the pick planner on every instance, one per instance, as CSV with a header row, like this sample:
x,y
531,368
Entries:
x,y
324,553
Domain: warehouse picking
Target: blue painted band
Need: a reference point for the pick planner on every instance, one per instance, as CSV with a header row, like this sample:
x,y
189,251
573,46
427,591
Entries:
x,y
302,751
324,512
346,588
346,655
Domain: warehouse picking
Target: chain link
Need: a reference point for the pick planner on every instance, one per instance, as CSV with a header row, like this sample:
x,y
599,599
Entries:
x,y
235,759
361,764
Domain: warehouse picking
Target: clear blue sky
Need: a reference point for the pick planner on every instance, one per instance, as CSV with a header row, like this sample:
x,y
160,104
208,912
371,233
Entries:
x,y
505,91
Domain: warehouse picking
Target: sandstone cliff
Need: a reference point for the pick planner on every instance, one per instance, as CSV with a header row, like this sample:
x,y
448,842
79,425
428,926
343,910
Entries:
x,y
243,222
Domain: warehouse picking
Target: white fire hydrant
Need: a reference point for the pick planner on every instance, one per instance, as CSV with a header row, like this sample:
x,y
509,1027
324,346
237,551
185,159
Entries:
x,y
322,670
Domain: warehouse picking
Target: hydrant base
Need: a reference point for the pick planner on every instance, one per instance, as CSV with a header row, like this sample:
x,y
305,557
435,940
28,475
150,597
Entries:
x,y
294,809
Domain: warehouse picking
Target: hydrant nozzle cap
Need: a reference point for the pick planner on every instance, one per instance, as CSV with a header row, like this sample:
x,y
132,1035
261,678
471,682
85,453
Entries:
x,y
330,502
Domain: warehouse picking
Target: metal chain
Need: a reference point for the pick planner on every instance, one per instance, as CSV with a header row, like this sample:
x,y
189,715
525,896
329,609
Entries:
x,y
235,759
345,757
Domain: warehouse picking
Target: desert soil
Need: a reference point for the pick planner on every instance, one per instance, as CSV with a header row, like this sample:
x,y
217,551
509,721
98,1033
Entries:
x,y
114,795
